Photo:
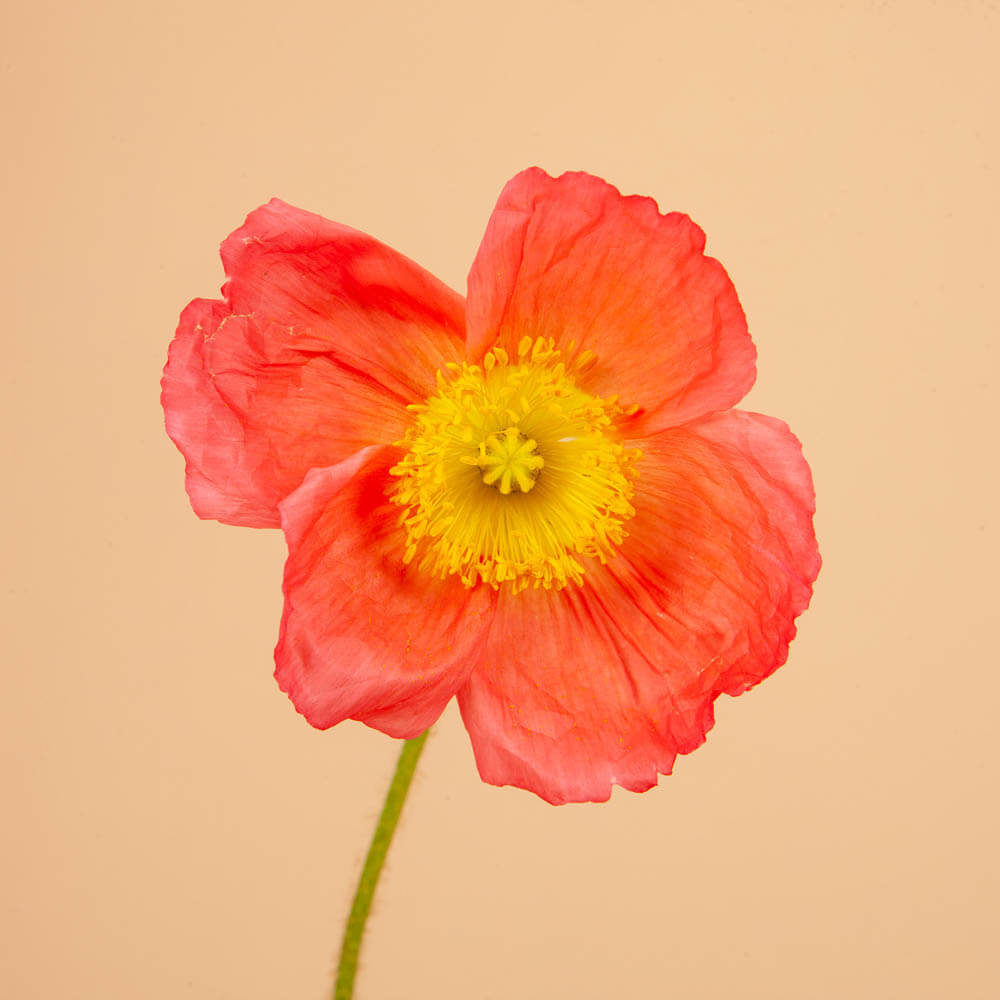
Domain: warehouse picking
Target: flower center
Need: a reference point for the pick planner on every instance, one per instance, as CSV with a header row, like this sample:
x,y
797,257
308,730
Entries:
x,y
509,461
512,473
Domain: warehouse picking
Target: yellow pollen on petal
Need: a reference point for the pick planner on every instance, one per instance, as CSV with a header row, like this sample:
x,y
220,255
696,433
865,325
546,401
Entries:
x,y
512,474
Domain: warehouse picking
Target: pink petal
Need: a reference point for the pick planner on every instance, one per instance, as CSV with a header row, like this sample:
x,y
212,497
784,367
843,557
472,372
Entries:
x,y
604,684
363,636
572,259
324,338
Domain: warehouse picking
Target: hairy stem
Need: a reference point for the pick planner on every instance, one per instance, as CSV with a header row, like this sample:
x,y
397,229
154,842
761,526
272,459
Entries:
x,y
394,799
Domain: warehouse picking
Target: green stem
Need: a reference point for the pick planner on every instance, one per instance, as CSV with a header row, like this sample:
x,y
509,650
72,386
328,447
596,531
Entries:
x,y
394,799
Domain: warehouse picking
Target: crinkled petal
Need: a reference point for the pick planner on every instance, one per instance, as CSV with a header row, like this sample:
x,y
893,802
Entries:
x,y
724,536
604,684
324,337
572,259
363,636
344,293
208,432
561,703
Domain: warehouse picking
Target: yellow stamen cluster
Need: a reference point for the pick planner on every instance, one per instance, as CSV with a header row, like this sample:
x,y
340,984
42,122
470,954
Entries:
x,y
512,472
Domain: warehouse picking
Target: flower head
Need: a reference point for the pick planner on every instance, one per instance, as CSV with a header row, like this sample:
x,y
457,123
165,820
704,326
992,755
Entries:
x,y
538,499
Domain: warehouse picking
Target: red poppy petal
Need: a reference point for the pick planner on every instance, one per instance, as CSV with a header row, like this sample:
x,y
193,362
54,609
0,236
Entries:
x,y
572,259
342,292
208,433
604,684
362,636
723,539
562,704
325,338
252,414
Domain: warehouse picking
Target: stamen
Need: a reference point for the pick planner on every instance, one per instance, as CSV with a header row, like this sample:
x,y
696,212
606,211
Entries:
x,y
512,473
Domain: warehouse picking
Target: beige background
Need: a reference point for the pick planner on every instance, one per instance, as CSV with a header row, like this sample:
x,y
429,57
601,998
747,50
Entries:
x,y
173,829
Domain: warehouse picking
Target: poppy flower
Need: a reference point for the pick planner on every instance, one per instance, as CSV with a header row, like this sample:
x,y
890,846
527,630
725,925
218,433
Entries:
x,y
538,499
